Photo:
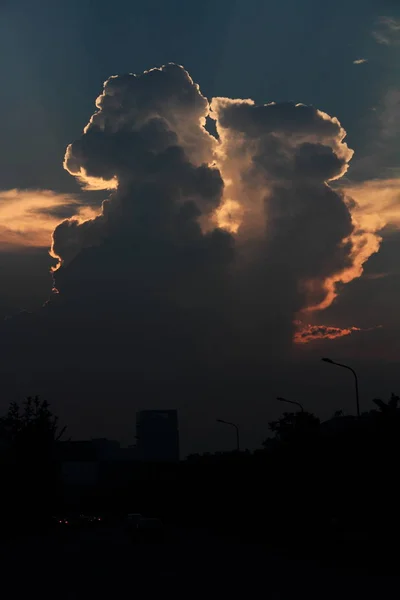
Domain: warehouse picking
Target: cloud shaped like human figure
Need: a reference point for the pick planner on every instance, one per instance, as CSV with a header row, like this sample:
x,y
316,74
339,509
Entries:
x,y
243,231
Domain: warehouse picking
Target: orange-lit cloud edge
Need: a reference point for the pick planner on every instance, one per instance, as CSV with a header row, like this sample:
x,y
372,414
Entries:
x,y
374,205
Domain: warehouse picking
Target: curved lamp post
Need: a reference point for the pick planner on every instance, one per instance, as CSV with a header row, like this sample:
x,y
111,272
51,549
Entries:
x,y
237,431
332,362
291,402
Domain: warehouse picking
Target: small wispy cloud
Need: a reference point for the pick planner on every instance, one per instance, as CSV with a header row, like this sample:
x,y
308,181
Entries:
x,y
374,276
360,61
387,31
310,333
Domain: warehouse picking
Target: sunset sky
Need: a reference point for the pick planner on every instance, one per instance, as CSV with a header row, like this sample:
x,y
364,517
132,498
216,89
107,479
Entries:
x,y
224,214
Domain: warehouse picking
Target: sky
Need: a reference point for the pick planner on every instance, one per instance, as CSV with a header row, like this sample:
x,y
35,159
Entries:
x,y
225,214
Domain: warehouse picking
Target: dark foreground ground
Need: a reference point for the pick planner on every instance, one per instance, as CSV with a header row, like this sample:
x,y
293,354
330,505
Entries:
x,y
104,563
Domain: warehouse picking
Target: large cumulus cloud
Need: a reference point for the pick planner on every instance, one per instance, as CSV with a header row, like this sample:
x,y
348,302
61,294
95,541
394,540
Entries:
x,y
243,231
177,193
209,250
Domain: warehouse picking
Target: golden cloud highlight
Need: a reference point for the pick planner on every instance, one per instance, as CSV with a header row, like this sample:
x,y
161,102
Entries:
x,y
377,203
229,215
363,245
28,217
374,205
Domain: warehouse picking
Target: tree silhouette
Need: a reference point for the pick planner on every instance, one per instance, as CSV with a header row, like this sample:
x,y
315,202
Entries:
x,y
29,435
389,407
294,426
33,428
338,413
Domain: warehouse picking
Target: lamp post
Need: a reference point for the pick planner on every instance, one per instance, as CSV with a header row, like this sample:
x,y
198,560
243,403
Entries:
x,y
332,362
290,402
237,431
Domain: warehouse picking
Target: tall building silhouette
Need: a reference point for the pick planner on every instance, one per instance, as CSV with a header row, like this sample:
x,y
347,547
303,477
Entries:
x,y
157,435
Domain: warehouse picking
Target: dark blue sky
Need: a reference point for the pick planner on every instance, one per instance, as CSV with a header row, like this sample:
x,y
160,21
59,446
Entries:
x,y
55,55
54,58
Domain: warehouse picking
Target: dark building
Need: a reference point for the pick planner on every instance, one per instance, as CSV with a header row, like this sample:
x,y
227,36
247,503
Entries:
x,y
157,435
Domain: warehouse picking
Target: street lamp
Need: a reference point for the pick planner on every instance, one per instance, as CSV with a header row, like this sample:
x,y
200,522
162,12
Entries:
x,y
291,402
332,362
237,431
